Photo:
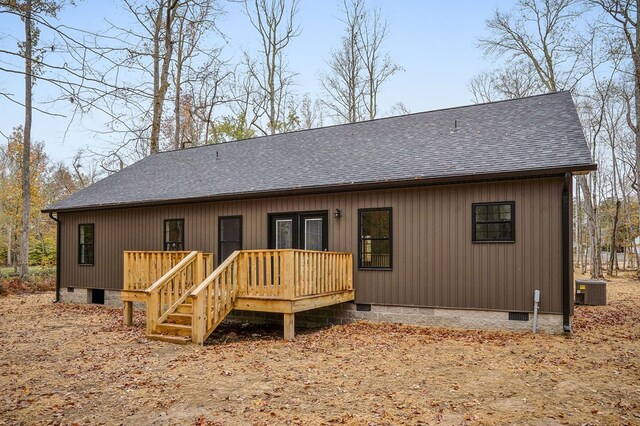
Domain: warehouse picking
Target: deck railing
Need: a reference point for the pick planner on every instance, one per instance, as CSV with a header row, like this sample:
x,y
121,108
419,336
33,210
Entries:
x,y
143,268
289,274
285,277
214,298
173,288
270,275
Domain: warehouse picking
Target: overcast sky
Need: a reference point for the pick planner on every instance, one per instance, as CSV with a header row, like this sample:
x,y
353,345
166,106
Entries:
x,y
434,40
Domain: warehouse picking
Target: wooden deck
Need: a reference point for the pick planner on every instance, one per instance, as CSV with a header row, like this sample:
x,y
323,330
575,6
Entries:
x,y
186,299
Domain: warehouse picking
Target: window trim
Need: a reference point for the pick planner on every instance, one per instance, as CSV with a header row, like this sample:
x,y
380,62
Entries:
x,y
164,234
93,245
370,268
511,240
220,218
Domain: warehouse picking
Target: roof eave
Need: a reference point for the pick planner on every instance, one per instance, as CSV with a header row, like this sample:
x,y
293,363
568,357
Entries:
x,y
347,187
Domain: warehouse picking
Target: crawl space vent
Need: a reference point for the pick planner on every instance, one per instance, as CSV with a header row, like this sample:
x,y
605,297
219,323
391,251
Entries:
x,y
518,316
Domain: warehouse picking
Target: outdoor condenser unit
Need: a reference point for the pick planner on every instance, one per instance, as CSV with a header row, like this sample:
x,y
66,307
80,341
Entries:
x,y
591,292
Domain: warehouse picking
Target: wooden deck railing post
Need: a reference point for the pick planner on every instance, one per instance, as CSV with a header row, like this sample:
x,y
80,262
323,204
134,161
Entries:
x,y
350,272
199,318
287,273
153,302
243,274
199,269
127,271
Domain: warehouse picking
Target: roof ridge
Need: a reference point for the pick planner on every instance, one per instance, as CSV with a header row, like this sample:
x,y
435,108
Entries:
x,y
261,137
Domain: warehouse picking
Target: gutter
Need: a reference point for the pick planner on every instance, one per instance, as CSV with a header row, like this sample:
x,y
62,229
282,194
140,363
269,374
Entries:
x,y
58,233
566,254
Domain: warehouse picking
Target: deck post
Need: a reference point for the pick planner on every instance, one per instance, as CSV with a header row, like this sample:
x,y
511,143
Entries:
x,y
153,303
289,326
128,313
199,319
199,275
243,275
288,273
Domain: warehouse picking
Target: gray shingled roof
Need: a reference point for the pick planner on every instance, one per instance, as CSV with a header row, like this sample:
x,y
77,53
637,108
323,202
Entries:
x,y
522,135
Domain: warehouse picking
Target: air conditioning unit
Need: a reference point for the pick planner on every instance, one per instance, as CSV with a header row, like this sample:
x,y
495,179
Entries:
x,y
591,292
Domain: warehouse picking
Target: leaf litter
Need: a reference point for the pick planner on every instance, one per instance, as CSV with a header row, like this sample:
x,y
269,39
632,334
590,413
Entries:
x,y
63,364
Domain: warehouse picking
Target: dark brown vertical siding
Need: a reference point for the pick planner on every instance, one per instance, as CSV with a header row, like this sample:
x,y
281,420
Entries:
x,y
434,260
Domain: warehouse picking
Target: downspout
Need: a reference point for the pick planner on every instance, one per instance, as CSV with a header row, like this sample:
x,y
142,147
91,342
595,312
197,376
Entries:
x,y
58,232
566,253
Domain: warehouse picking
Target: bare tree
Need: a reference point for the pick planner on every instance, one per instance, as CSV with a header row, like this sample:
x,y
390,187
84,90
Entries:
x,y
274,22
516,80
29,11
192,78
359,67
540,33
378,65
625,16
311,112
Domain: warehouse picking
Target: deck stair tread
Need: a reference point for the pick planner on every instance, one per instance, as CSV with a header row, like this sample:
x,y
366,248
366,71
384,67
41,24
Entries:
x,y
185,308
179,318
181,340
179,329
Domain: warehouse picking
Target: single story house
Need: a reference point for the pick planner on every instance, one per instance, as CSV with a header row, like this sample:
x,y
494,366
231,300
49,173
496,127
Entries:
x,y
454,216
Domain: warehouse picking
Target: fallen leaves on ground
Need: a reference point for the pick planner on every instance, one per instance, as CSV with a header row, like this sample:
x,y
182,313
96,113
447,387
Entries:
x,y
78,364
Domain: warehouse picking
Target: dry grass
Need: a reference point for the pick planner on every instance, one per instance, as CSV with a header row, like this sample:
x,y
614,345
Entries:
x,y
66,364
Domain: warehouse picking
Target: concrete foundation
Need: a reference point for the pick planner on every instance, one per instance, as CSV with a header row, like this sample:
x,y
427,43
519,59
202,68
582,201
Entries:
x,y
84,295
348,312
457,318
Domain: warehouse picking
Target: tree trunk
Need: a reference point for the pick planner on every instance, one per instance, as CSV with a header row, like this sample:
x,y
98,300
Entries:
x,y
26,150
613,261
596,260
9,244
161,74
177,108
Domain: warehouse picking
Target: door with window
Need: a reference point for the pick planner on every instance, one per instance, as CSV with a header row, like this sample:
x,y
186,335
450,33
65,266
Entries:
x,y
304,230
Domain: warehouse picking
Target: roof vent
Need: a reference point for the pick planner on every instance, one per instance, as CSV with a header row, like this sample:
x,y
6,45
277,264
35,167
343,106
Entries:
x,y
455,127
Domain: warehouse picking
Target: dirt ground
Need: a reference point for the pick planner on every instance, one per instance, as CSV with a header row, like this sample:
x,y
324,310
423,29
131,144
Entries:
x,y
69,364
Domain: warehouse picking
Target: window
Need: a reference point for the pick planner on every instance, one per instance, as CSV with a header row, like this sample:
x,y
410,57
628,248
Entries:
x,y
374,251
174,234
85,244
313,233
229,236
493,222
299,230
284,233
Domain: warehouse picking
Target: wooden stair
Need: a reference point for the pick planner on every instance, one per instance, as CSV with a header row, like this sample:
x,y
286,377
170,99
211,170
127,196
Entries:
x,y
177,327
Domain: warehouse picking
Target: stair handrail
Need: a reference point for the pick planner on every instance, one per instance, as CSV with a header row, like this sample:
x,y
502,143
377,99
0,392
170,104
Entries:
x,y
211,292
156,312
171,272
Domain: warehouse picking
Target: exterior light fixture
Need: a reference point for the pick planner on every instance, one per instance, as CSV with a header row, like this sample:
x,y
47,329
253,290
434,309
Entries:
x,y
337,214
